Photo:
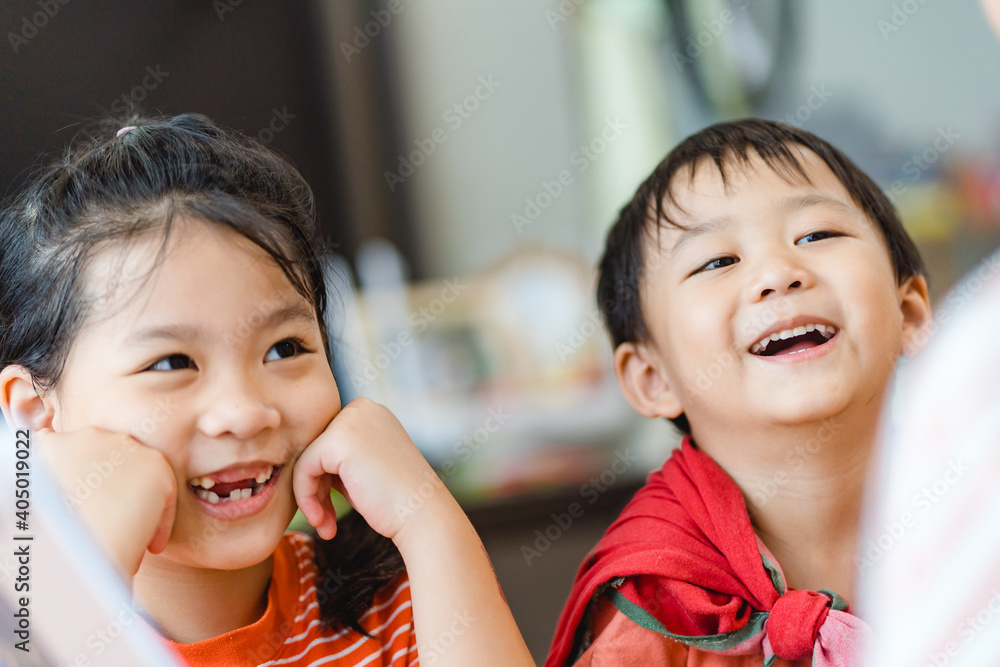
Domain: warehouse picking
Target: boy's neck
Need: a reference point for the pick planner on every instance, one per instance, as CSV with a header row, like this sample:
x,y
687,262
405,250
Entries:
x,y
803,488
190,604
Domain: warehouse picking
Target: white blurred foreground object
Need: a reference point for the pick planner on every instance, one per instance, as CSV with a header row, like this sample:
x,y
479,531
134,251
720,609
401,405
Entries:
x,y
930,554
78,611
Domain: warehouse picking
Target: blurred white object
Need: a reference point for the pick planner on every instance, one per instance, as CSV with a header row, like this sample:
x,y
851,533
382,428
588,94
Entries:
x,y
79,610
929,560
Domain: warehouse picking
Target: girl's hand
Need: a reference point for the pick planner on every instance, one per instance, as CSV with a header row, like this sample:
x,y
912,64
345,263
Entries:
x,y
124,492
367,455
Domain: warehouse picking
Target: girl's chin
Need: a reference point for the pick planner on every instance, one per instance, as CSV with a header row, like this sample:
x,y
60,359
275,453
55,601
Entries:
x,y
222,551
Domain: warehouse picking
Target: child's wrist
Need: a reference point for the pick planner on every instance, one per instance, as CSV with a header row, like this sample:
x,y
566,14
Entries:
x,y
437,517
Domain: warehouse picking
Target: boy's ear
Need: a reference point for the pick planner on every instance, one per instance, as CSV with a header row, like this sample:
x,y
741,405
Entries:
x,y
22,405
915,305
644,383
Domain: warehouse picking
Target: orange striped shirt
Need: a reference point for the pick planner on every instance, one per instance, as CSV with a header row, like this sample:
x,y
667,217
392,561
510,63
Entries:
x,y
289,632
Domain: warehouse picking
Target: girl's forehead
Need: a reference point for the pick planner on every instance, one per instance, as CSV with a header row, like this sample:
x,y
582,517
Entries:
x,y
200,270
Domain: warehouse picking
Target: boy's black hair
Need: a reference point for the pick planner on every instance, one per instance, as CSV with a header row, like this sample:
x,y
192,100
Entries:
x,y
730,144
110,189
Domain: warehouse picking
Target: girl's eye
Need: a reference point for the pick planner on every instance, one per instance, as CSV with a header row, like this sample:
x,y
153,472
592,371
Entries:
x,y
817,236
285,349
718,263
174,362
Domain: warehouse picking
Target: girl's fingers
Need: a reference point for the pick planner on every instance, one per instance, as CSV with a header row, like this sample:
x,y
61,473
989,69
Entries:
x,y
311,481
166,525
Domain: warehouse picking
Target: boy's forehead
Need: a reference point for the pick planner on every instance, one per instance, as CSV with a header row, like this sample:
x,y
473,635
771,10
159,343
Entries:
x,y
699,194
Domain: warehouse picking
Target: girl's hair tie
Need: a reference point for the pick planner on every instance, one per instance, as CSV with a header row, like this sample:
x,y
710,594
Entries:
x,y
124,130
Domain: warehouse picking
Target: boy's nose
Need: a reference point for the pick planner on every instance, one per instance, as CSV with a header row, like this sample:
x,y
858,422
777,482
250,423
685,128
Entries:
x,y
778,277
240,412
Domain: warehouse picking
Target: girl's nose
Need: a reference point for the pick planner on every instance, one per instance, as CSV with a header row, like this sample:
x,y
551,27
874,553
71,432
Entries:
x,y
238,412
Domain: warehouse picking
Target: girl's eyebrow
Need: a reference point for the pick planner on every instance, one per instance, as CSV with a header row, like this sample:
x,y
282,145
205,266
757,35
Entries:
x,y
297,312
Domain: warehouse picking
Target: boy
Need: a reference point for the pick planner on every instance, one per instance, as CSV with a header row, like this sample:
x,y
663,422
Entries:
x,y
759,289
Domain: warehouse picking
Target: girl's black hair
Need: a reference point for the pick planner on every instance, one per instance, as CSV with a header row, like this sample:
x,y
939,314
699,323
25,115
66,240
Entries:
x,y
110,189
727,145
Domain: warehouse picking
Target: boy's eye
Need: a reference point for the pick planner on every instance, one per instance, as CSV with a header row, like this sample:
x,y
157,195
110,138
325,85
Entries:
x,y
285,349
817,236
717,263
173,362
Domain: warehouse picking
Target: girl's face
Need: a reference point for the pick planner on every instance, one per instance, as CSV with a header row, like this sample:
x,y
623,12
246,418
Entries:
x,y
217,362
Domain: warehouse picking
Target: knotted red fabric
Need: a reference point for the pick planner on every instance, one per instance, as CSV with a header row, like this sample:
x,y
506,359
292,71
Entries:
x,y
794,622
694,570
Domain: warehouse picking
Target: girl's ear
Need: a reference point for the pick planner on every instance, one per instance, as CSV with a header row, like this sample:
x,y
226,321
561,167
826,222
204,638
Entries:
x,y
22,405
644,383
915,306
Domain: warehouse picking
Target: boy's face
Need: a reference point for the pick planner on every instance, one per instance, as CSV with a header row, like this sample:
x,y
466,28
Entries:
x,y
767,255
199,362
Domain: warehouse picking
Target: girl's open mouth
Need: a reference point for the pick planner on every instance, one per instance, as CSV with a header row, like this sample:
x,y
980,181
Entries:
x,y
235,492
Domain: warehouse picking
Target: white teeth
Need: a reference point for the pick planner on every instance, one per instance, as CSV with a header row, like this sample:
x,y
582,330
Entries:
x,y
236,494
264,476
827,331
246,493
206,482
210,496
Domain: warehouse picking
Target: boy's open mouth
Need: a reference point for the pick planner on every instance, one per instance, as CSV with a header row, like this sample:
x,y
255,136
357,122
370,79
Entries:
x,y
792,341
222,488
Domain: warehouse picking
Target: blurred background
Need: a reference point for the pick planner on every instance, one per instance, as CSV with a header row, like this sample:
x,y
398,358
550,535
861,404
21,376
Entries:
x,y
468,158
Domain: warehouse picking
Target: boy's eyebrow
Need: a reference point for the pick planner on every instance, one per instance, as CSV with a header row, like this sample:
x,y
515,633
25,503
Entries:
x,y
795,203
694,231
814,199
297,311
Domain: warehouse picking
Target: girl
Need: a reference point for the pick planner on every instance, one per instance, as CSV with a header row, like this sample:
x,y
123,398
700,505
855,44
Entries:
x,y
163,314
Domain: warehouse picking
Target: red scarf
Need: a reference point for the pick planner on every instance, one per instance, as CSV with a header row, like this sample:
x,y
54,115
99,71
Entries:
x,y
698,573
